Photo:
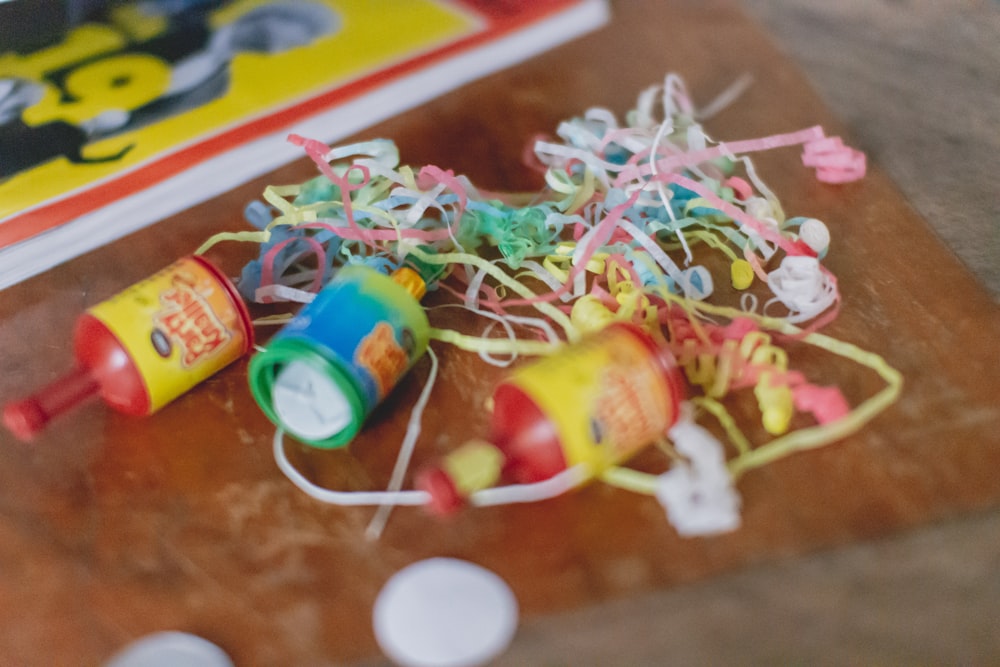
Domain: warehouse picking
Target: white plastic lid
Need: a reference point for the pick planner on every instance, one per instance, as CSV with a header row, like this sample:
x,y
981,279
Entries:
x,y
170,649
444,612
309,403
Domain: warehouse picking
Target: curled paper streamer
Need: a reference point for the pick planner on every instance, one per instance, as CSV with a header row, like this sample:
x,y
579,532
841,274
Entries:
x,y
630,210
803,286
834,161
698,492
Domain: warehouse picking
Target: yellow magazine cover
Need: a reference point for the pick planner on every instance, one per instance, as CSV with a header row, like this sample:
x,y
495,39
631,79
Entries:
x,y
154,93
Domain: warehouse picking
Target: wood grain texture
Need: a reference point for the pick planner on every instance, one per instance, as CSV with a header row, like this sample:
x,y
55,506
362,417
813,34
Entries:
x,y
111,527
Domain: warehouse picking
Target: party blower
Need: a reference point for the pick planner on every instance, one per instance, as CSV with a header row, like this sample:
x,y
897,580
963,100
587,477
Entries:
x,y
145,346
589,407
321,376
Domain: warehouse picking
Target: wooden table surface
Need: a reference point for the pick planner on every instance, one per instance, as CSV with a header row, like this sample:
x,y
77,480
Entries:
x,y
113,527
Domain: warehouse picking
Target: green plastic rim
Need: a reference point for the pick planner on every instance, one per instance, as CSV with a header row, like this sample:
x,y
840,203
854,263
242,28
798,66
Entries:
x,y
263,372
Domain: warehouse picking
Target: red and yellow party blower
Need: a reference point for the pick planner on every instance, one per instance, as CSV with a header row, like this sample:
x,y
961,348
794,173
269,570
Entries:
x,y
145,346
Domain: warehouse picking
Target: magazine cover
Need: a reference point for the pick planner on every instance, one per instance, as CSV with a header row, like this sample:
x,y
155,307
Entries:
x,y
151,92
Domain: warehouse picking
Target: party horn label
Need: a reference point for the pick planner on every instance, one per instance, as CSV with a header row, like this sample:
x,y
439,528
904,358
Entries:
x,y
180,326
606,396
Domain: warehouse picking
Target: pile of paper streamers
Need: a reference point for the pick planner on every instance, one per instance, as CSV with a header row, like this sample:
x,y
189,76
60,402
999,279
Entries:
x,y
609,238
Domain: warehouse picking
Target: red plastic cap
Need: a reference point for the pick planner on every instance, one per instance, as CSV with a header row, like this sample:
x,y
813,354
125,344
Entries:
x,y
528,438
25,419
445,498
29,416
